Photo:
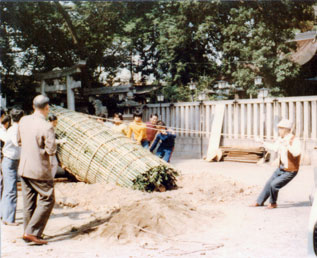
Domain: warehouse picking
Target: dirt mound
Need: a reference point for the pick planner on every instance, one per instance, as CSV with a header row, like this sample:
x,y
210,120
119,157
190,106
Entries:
x,y
156,217
122,214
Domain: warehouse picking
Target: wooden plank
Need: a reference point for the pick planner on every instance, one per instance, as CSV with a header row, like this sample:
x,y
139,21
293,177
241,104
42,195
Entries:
x,y
314,119
242,121
192,120
216,129
198,118
168,116
59,73
240,160
182,117
186,118
230,119
189,119
203,117
208,118
262,120
249,121
269,115
284,110
178,117
306,124
299,119
225,122
291,112
255,121
172,117
236,122
164,114
276,118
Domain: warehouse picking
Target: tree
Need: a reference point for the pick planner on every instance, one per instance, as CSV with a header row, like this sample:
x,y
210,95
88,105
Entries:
x,y
255,42
175,42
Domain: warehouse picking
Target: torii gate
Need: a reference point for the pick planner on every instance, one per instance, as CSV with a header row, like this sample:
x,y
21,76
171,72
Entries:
x,y
71,84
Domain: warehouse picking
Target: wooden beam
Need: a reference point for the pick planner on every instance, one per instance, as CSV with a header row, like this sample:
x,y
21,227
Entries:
x,y
60,73
58,87
215,136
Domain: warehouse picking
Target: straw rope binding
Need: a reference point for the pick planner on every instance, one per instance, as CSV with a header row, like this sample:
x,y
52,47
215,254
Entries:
x,y
94,153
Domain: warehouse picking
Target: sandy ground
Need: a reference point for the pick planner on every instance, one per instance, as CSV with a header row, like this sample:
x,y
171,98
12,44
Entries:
x,y
208,216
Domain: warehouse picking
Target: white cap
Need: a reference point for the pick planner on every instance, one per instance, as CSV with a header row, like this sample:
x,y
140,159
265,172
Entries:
x,y
285,123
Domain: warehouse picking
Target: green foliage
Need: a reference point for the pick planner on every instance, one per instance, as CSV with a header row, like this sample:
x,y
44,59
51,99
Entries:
x,y
176,41
255,42
159,178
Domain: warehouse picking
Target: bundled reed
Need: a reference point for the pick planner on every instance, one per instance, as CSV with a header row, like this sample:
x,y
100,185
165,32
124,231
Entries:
x,y
94,153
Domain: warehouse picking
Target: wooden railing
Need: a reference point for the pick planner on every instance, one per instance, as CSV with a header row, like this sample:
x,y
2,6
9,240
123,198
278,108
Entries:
x,y
243,119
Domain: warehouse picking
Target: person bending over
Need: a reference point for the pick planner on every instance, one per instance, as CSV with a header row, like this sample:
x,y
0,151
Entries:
x,y
166,140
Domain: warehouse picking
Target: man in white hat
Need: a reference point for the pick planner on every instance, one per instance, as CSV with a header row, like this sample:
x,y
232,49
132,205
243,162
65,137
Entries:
x,y
289,152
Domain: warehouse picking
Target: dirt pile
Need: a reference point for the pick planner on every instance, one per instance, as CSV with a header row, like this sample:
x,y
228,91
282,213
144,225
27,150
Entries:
x,y
123,214
157,217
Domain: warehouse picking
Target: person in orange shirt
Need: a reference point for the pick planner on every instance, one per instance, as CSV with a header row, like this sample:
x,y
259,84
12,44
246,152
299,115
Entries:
x,y
138,128
151,127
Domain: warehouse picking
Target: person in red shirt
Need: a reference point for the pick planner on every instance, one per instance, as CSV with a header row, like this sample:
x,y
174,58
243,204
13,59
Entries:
x,y
151,127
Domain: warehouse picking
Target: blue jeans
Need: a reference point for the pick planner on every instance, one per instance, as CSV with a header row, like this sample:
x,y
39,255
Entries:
x,y
9,196
165,154
278,180
145,144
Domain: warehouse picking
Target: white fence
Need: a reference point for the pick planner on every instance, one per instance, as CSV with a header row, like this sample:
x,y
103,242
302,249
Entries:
x,y
244,119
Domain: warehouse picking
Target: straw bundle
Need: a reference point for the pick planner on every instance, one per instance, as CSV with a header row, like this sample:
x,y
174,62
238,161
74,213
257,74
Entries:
x,y
94,153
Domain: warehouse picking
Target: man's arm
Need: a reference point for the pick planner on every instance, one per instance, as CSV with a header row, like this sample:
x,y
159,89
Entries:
x,y
272,146
142,134
3,135
155,142
295,147
50,144
14,139
129,131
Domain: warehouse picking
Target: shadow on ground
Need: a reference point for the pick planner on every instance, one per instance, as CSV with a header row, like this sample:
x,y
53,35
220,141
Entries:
x,y
293,205
81,230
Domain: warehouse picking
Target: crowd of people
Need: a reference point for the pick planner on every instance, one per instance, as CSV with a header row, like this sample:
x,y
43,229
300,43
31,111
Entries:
x,y
28,149
152,135
28,153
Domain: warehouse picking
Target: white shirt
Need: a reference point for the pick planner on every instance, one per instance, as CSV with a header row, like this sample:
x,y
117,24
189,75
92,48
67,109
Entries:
x,y
282,146
3,132
11,147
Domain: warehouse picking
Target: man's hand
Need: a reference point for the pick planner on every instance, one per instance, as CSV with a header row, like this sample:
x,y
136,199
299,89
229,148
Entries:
x,y
171,131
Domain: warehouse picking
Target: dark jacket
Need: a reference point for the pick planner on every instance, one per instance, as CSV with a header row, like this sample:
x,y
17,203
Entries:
x,y
167,141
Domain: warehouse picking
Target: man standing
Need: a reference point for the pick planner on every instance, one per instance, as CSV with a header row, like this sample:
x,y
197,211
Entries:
x,y
3,131
151,127
289,152
37,139
10,162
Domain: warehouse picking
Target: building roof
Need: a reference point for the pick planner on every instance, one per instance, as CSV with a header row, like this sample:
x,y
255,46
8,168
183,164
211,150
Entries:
x,y
306,47
305,36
